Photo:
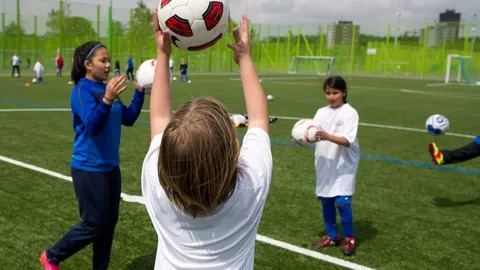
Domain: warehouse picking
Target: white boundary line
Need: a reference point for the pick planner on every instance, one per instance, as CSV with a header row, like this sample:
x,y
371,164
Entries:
x,y
440,94
36,110
436,84
279,117
389,127
281,78
260,238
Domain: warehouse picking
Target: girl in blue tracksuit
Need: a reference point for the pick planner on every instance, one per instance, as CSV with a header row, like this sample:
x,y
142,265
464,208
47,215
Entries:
x,y
98,115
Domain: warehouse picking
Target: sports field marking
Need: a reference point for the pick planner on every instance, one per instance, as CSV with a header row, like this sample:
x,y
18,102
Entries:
x,y
441,94
36,110
260,238
386,159
436,84
279,117
265,79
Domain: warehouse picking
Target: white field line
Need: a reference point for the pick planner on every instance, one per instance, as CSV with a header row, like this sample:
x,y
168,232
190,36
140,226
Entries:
x,y
264,79
436,84
440,94
260,238
389,127
36,110
279,117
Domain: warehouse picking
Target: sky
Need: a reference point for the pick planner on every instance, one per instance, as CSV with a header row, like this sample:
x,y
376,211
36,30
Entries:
x,y
370,13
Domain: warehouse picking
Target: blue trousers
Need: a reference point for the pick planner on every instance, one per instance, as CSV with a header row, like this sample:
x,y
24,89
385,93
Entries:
x,y
344,206
183,75
98,196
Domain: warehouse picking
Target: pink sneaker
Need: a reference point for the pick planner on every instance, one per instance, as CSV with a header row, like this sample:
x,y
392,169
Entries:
x,y
349,246
46,264
327,241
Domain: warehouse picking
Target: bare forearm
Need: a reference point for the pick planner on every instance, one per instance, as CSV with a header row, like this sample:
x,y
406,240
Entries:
x,y
160,106
254,96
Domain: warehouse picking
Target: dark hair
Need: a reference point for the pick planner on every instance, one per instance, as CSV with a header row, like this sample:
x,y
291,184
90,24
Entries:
x,y
336,82
81,52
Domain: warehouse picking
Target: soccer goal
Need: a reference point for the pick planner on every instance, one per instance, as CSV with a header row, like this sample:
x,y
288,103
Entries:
x,y
319,65
461,69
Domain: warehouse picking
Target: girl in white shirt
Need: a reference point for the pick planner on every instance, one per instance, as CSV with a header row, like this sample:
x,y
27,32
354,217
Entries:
x,y
337,155
203,192
38,68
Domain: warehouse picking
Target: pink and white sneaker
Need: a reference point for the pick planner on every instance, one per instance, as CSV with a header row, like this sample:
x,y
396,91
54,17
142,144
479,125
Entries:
x,y
46,264
327,241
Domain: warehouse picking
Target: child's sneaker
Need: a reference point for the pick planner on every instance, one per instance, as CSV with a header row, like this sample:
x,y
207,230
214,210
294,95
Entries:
x,y
46,264
437,156
327,241
349,246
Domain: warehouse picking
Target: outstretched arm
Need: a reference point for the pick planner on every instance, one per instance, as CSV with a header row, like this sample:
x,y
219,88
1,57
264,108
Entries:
x,y
254,96
160,104
132,112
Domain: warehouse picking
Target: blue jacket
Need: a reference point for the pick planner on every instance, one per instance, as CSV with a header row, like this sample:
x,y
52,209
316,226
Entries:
x,y
98,126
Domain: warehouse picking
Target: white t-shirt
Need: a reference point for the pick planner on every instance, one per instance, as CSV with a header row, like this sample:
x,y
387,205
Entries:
x,y
15,60
335,165
224,240
38,68
170,63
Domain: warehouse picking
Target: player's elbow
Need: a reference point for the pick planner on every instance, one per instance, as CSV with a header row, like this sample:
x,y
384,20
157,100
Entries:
x,y
346,143
94,130
129,123
260,123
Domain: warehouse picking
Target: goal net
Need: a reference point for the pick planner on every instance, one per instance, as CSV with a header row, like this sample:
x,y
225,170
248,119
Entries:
x,y
319,65
462,70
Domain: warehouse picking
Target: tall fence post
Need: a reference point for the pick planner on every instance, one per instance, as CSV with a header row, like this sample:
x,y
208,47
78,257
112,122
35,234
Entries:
x,y
386,52
352,50
19,29
60,16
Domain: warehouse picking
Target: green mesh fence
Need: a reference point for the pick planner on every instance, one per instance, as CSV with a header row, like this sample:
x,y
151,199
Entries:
x,y
405,49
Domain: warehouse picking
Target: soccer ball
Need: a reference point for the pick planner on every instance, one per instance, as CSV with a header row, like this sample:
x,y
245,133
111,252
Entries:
x,y
269,97
437,124
34,80
194,25
145,74
303,132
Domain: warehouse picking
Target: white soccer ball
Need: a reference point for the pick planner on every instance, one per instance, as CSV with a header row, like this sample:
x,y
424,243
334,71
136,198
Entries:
x,y
34,80
194,25
145,74
174,78
303,132
437,124
269,97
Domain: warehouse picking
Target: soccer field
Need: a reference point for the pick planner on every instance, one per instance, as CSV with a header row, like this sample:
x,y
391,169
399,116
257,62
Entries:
x,y
408,214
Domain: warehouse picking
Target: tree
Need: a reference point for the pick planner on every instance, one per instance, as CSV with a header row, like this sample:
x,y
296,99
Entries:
x,y
141,27
72,26
53,21
12,29
118,29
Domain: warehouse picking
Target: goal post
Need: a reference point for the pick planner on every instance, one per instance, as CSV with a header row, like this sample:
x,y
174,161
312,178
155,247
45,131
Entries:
x,y
319,65
461,69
